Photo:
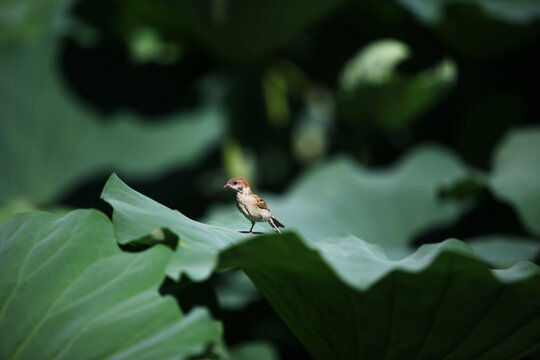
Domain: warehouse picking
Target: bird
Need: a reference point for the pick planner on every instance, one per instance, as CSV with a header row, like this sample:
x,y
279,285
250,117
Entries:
x,y
252,206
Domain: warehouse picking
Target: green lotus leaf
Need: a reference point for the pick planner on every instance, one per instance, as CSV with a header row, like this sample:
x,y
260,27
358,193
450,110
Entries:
x,y
254,351
517,12
345,299
373,91
504,250
8,210
386,207
68,292
135,216
516,173
236,31
25,20
49,143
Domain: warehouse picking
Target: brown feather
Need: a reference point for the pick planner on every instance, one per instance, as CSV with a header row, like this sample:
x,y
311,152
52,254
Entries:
x,y
260,202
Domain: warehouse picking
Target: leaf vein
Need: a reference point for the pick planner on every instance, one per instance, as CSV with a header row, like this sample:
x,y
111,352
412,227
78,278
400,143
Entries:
x,y
476,323
436,315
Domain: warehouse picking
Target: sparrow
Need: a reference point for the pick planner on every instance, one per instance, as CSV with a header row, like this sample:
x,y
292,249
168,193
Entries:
x,y
253,207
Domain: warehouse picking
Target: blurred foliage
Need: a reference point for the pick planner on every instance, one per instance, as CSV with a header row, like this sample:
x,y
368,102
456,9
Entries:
x,y
48,147
261,351
7,211
236,291
235,31
504,251
507,10
516,174
330,103
372,91
23,20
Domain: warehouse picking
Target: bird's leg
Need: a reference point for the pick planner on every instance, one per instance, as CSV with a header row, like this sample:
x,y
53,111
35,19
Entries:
x,y
252,225
274,225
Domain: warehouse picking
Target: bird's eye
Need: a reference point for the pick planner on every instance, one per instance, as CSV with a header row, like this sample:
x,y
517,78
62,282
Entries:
x,y
236,182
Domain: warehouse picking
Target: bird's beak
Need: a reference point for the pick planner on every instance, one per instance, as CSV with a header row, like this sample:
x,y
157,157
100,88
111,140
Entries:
x,y
227,185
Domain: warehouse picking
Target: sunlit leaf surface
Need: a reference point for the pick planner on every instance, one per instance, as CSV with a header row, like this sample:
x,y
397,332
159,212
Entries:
x,y
344,299
66,290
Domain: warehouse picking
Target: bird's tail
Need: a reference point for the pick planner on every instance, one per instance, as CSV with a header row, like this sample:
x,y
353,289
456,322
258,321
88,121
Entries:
x,y
277,222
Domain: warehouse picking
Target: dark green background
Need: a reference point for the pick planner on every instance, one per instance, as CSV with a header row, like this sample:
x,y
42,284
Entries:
x,y
268,73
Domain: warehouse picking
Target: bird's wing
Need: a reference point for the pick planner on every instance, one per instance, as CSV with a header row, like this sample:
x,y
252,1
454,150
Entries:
x,y
260,202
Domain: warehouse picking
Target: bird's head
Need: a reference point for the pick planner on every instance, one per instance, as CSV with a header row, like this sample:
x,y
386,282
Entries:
x,y
237,184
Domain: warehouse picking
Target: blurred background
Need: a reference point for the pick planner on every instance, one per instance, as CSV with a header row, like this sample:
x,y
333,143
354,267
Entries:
x,y
178,96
